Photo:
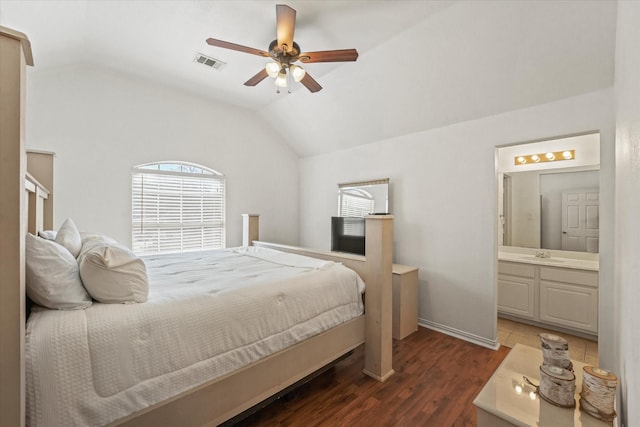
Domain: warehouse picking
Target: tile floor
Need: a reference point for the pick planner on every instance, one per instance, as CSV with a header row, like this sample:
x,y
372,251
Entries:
x,y
511,333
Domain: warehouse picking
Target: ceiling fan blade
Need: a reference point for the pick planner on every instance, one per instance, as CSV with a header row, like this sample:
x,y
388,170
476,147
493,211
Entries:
x,y
285,26
240,48
310,83
330,56
262,74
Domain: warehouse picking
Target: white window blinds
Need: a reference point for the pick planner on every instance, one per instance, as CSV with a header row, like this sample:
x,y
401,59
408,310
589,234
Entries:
x,y
356,203
177,208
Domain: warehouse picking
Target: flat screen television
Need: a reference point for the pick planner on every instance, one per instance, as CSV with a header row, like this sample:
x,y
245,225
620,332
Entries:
x,y
347,234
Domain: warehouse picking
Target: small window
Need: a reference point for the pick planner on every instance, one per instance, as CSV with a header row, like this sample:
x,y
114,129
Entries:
x,y
177,207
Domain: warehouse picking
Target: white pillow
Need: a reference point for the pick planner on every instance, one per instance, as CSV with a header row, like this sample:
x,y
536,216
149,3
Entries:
x,y
69,237
48,234
90,240
112,273
52,275
90,235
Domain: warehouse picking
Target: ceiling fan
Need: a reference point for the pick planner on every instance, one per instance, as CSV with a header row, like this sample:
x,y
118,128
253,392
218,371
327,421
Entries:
x,y
284,52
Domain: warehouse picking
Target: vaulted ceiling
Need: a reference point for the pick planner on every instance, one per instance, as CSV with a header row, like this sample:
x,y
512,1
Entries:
x,y
422,64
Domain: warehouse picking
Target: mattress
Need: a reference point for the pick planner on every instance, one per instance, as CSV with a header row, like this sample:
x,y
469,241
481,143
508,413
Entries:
x,y
208,314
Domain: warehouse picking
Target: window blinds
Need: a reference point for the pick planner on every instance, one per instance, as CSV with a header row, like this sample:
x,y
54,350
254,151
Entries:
x,y
356,205
177,211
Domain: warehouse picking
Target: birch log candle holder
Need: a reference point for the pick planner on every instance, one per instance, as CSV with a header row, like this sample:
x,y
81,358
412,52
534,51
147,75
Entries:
x,y
557,386
598,393
555,351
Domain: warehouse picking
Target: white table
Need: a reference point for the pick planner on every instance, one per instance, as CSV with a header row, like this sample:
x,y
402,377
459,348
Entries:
x,y
502,403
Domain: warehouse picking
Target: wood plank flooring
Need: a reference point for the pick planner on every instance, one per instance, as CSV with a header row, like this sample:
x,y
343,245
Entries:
x,y
437,377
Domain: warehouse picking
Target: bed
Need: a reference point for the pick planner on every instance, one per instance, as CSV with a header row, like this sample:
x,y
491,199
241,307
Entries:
x,y
213,400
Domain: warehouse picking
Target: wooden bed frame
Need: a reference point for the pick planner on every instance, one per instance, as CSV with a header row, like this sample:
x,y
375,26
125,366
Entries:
x,y
22,199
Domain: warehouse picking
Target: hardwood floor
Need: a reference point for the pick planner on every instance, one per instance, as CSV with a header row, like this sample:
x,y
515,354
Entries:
x,y
437,377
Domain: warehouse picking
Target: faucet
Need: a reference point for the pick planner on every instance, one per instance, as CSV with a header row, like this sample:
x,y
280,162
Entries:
x,y
543,254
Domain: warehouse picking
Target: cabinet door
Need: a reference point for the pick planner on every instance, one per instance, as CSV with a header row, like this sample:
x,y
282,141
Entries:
x,y
516,296
569,305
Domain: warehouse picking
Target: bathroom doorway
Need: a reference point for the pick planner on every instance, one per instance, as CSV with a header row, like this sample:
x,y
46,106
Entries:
x,y
530,177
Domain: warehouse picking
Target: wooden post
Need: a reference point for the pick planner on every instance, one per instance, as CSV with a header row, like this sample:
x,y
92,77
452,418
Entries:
x,y
378,297
40,166
250,228
15,54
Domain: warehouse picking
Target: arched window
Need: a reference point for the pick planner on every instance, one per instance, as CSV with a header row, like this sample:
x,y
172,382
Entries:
x,y
177,207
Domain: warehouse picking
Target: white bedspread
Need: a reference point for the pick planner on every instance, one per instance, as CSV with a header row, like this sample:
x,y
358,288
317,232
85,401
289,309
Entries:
x,y
205,317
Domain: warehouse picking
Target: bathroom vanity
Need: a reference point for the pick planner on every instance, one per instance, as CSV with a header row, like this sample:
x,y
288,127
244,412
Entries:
x,y
556,289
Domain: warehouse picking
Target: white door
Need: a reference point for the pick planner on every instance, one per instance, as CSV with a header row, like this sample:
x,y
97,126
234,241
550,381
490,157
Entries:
x,y
580,220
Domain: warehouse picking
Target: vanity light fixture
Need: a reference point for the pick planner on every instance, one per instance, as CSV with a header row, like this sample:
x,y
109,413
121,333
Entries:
x,y
552,156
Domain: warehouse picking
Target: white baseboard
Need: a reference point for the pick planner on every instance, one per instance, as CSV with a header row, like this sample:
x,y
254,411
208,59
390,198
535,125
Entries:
x,y
466,336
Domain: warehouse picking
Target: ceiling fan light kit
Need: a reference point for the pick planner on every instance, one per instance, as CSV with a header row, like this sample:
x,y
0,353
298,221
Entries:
x,y
281,79
284,52
273,68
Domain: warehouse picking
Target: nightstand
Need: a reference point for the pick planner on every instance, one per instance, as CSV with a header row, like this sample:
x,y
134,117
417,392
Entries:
x,y
405,300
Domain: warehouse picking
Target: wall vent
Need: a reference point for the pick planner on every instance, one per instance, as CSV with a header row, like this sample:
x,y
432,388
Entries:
x,y
209,61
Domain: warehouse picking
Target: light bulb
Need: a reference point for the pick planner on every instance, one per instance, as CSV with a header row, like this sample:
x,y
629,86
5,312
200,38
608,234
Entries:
x,y
518,388
550,156
567,155
272,69
297,72
522,160
281,80
532,395
535,158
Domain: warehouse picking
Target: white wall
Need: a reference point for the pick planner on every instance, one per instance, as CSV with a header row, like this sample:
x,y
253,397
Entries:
x,y
525,209
101,123
443,197
627,291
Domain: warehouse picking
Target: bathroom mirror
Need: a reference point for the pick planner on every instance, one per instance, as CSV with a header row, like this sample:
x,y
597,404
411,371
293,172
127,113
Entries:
x,y
358,199
552,209
548,206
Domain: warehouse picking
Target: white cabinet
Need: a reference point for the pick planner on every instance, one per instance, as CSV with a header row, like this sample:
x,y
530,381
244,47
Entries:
x,y
563,297
516,289
569,299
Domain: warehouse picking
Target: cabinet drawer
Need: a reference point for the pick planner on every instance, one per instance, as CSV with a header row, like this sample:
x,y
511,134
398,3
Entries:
x,y
578,277
515,269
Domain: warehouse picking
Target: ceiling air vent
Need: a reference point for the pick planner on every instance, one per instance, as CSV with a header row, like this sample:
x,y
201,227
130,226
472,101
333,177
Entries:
x,y
209,61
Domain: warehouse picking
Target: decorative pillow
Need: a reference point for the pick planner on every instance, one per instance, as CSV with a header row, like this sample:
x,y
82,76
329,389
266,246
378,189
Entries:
x,y
69,237
48,234
52,275
112,273
86,236
90,240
